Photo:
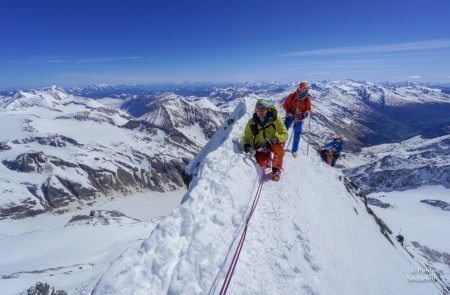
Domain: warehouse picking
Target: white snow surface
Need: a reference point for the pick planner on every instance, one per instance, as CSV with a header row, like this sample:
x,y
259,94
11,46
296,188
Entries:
x,y
308,235
420,222
429,229
72,258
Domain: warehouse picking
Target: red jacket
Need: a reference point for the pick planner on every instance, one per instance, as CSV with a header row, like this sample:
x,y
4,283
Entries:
x,y
295,105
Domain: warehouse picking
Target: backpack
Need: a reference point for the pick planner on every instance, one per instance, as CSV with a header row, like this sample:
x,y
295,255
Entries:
x,y
273,111
272,114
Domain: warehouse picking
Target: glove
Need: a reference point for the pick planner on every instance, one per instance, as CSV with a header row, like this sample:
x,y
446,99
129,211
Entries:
x,y
305,115
289,114
249,150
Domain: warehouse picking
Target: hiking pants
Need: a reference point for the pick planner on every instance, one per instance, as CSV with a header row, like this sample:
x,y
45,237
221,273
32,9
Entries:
x,y
277,160
297,131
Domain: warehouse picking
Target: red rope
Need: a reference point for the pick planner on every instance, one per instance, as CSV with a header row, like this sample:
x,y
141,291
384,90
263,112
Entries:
x,y
237,253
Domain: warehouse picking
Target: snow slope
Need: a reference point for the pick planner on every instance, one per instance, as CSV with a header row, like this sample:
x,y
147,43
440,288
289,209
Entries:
x,y
430,228
71,256
308,235
424,227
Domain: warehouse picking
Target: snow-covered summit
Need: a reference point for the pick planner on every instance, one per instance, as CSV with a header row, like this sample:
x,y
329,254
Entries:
x,y
310,234
383,94
52,98
197,119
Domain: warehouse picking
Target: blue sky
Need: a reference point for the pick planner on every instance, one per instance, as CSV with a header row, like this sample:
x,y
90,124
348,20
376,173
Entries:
x,y
81,42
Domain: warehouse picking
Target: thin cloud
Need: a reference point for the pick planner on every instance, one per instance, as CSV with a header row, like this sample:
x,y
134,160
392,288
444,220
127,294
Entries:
x,y
39,60
409,46
415,77
318,73
109,59
57,59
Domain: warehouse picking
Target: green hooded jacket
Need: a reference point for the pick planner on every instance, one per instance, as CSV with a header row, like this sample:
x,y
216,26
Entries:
x,y
257,132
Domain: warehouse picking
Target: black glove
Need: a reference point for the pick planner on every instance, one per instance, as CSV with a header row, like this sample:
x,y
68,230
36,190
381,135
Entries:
x,y
305,115
249,150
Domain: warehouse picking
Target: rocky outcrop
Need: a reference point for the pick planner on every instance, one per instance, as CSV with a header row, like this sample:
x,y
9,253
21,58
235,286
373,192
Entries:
x,y
27,162
88,116
55,140
4,146
371,180
44,289
101,217
378,203
437,203
25,209
59,190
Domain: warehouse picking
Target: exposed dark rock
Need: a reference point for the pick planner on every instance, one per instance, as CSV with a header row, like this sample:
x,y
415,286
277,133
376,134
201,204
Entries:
x,y
378,203
58,191
77,189
125,177
166,174
59,162
371,179
103,180
355,191
28,162
100,217
4,146
80,218
54,140
55,197
44,289
18,211
87,116
437,203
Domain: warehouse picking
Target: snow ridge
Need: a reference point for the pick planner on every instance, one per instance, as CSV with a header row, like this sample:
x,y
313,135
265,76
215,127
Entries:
x,y
308,234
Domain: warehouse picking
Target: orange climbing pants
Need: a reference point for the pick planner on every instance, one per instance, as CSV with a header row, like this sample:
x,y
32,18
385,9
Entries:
x,y
277,159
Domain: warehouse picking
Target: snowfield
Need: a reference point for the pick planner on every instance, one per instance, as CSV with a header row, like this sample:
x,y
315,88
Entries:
x,y
72,256
308,235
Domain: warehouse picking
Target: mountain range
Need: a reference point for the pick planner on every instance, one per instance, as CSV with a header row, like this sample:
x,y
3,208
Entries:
x,y
64,153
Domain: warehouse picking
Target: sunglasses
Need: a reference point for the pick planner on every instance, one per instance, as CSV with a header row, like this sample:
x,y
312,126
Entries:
x,y
261,109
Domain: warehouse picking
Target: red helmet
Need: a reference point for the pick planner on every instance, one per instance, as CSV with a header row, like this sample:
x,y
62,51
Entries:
x,y
302,86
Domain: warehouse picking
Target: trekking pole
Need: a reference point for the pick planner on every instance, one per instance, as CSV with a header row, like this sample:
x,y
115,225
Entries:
x,y
293,123
309,133
287,147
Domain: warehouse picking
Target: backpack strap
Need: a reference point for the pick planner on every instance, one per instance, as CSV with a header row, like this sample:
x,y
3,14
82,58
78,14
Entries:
x,y
254,128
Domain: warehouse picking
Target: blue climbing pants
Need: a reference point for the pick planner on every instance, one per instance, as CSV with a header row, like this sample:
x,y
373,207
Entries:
x,y
297,131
